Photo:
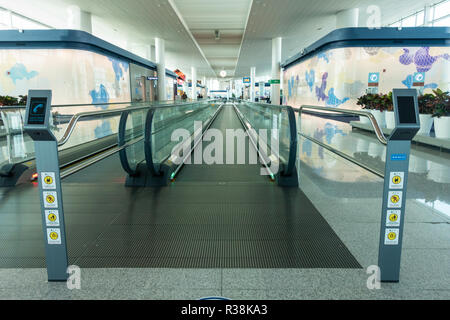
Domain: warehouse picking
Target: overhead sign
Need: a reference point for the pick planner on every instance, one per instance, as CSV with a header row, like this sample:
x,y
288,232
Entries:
x,y
180,74
246,80
274,81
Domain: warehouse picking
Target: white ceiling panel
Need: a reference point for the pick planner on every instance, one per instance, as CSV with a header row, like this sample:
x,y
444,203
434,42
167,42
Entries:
x,y
300,23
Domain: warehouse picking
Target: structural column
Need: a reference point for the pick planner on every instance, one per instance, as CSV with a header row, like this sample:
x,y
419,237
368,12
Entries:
x,y
194,83
160,50
427,17
252,83
79,19
276,71
347,18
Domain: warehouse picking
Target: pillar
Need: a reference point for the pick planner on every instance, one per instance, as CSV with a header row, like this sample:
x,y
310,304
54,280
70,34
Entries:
x,y
276,71
160,51
428,16
79,19
194,83
347,18
252,83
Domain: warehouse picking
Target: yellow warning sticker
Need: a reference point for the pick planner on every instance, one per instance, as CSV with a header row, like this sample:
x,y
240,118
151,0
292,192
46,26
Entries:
x,y
48,180
393,218
50,199
396,180
391,237
52,218
395,199
54,236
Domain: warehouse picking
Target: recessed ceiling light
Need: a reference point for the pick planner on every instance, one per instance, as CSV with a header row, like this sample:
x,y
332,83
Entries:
x,y
223,73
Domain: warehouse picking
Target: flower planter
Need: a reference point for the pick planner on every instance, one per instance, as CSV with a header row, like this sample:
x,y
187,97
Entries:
x,y
442,127
426,122
375,149
362,145
439,172
418,165
380,117
364,120
390,119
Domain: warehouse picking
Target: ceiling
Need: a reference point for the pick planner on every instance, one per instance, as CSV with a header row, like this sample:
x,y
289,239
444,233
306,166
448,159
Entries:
x,y
245,27
301,23
228,18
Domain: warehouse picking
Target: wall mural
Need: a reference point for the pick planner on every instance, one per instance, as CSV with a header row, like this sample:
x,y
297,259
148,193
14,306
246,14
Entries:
x,y
74,76
337,77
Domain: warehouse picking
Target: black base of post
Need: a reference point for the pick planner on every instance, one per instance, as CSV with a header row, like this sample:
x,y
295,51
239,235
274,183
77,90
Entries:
x,y
145,178
290,181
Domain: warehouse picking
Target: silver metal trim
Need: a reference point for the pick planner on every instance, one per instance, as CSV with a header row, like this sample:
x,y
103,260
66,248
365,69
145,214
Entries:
x,y
378,132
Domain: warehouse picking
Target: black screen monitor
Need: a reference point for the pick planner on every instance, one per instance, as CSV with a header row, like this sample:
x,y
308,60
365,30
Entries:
x,y
37,111
406,110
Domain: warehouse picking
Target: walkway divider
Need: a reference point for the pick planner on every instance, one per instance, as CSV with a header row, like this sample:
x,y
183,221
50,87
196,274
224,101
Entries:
x,y
37,125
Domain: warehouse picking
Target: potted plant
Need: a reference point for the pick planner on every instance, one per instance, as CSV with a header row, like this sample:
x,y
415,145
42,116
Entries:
x,y
426,110
365,101
389,105
376,104
441,115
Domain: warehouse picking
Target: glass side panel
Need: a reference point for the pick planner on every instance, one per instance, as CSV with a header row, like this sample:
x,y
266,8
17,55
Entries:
x,y
134,137
272,125
171,125
16,146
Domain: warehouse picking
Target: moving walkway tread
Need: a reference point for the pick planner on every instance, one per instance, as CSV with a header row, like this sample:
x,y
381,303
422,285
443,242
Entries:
x,y
213,219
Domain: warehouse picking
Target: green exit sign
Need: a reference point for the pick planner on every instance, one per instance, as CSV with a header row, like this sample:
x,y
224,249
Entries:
x,y
274,81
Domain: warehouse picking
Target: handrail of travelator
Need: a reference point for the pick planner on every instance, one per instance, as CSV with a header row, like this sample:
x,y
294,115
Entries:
x,y
290,166
155,167
378,132
75,118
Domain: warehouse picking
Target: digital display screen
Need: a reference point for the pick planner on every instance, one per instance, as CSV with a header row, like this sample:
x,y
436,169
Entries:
x,y
37,110
406,110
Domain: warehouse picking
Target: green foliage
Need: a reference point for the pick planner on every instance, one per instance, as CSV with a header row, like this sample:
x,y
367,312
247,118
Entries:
x,y
8,101
436,103
381,102
441,103
13,101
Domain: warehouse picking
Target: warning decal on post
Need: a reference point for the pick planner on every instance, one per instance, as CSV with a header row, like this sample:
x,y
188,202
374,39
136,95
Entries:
x,y
391,237
54,236
393,218
50,199
52,218
48,180
396,180
395,199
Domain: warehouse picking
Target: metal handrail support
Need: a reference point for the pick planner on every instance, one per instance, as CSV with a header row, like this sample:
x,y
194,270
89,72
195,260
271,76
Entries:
x,y
111,113
378,132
